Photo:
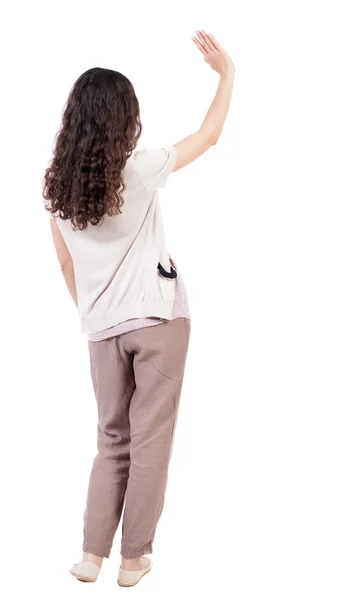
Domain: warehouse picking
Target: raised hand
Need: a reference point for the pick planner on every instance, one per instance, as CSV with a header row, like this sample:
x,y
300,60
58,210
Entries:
x,y
214,54
194,145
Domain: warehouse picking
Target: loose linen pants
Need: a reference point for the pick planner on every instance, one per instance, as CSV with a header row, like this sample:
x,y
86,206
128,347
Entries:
x,y
137,378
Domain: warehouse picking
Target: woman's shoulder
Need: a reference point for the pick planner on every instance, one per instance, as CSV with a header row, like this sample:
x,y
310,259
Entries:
x,y
154,165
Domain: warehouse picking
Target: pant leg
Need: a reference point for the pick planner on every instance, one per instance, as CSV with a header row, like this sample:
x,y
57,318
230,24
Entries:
x,y
114,384
159,362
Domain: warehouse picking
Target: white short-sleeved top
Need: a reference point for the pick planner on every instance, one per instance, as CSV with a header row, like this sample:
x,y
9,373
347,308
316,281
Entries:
x,y
115,263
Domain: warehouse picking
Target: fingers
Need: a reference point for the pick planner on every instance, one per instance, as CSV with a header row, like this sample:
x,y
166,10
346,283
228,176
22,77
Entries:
x,y
202,41
199,46
206,41
215,42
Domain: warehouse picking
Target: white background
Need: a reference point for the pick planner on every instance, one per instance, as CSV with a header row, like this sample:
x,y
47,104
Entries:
x,y
265,496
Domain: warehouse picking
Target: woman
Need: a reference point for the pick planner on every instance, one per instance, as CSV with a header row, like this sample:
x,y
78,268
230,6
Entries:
x,y
108,234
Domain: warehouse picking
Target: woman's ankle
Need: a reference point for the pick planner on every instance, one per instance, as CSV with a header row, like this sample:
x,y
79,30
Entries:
x,y
97,560
131,564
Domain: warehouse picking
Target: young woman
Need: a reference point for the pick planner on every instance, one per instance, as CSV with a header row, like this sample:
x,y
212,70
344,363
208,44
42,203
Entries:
x,y
108,233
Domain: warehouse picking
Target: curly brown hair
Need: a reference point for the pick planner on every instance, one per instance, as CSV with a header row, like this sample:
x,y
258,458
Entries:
x,y
100,129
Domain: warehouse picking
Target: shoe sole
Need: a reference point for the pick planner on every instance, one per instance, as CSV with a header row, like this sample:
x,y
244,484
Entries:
x,y
84,579
131,584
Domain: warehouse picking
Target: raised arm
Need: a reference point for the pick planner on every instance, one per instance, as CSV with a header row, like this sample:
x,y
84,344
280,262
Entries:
x,y
192,146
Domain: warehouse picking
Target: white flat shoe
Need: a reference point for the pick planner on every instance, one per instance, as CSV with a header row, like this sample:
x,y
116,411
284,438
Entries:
x,y
85,571
128,578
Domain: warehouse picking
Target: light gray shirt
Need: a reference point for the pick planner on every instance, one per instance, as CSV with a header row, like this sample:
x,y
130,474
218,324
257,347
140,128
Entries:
x,y
115,263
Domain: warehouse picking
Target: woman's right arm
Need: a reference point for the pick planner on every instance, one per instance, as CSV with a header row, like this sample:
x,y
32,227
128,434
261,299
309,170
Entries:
x,y
197,143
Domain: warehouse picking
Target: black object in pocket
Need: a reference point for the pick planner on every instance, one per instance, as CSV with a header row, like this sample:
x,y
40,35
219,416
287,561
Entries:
x,y
172,274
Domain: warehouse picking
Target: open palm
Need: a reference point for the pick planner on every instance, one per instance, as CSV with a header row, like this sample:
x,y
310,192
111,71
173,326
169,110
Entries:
x,y
214,54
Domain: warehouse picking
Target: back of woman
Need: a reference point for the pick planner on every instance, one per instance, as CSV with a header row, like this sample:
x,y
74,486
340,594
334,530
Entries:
x,y
116,262
109,237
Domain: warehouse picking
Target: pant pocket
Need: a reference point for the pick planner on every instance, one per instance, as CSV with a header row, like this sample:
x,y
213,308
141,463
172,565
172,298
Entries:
x,y
172,348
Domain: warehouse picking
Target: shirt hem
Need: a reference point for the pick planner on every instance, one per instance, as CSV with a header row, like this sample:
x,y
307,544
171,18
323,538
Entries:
x,y
96,323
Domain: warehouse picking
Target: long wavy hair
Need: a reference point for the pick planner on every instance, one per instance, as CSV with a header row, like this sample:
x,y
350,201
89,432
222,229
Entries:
x,y
100,129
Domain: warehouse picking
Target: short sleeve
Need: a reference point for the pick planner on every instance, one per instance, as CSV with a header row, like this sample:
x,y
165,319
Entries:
x,y
155,166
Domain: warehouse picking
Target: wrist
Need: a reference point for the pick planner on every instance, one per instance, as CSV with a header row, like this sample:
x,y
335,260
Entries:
x,y
228,73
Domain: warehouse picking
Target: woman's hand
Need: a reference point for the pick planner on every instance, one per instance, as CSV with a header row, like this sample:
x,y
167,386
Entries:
x,y
214,54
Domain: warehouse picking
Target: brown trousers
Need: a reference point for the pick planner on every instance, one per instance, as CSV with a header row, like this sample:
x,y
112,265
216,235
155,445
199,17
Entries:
x,y
137,378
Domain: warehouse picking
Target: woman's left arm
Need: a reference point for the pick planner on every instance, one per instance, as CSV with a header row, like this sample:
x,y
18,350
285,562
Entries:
x,y
64,259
